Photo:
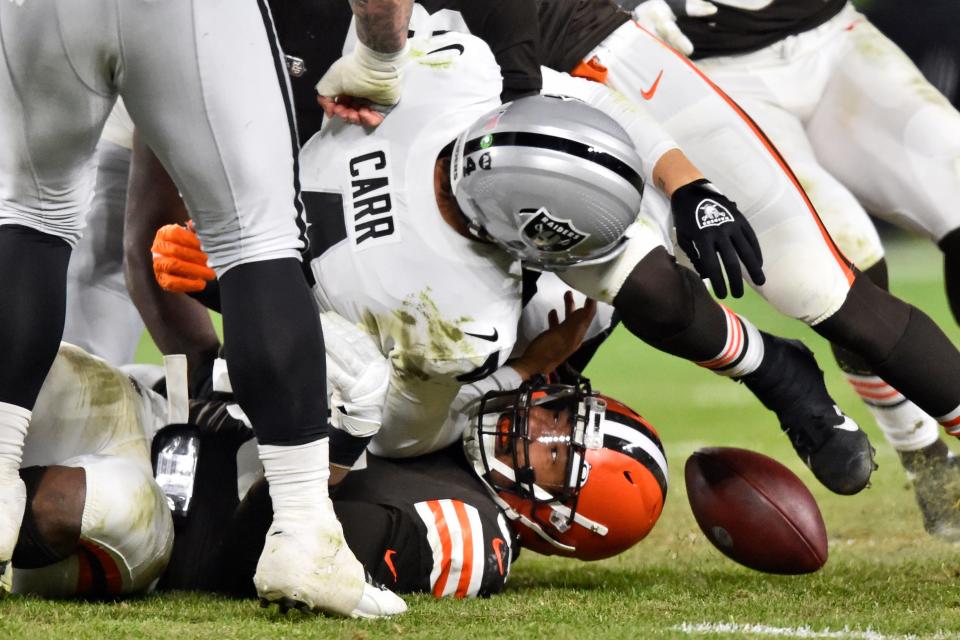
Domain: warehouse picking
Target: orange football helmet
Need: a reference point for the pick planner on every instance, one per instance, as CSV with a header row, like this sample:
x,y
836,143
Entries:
x,y
578,473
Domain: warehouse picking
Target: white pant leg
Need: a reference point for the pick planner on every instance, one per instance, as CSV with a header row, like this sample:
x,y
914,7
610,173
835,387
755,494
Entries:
x,y
807,278
52,110
126,535
101,318
211,99
888,134
842,214
781,87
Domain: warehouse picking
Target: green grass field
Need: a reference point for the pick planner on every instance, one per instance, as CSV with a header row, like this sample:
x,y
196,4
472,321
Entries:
x,y
885,578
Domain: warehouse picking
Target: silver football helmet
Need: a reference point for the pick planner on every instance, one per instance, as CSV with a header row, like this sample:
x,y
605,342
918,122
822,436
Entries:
x,y
551,180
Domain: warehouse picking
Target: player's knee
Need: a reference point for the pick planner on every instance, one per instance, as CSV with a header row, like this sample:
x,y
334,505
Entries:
x,y
63,230
273,237
126,526
603,281
656,300
870,323
51,522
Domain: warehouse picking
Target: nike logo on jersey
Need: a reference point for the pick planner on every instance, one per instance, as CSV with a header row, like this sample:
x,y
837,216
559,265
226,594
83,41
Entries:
x,y
648,94
450,47
388,560
497,543
489,338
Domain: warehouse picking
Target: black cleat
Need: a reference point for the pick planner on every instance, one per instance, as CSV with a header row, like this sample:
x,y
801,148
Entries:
x,y
789,383
935,475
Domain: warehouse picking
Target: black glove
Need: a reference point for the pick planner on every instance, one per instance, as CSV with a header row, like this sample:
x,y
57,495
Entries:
x,y
708,223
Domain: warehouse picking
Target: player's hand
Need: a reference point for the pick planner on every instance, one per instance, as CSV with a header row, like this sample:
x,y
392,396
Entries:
x,y
554,346
360,82
359,376
179,263
660,18
711,230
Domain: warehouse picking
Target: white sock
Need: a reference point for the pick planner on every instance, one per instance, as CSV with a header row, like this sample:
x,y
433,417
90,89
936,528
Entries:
x,y
297,476
743,351
14,422
905,426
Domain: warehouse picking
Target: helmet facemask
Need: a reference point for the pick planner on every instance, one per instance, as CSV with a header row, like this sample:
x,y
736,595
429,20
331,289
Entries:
x,y
532,443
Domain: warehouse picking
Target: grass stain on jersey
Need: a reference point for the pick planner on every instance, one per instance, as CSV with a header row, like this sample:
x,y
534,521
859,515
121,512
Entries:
x,y
426,344
100,398
434,61
99,380
405,317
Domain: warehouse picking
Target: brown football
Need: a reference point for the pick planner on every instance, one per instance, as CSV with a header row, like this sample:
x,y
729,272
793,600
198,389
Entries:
x,y
756,511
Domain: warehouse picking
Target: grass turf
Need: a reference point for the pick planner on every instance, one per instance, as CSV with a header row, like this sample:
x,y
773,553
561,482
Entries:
x,y
885,578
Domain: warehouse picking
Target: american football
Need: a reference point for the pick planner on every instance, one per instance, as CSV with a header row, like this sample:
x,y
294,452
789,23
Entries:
x,y
756,511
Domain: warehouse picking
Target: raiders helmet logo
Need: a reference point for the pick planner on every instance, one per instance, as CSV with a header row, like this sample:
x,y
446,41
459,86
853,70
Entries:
x,y
547,233
711,213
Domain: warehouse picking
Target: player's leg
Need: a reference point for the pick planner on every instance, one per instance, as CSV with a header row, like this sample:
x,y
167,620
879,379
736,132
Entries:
x,y
367,527
49,129
95,526
897,152
668,307
914,435
101,317
850,226
806,277
892,138
213,103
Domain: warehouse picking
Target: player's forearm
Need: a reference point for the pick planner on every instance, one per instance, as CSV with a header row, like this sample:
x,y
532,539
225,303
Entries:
x,y
382,24
177,323
674,170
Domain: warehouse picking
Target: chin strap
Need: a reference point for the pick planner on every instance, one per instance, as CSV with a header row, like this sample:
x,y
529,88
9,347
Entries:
x,y
541,495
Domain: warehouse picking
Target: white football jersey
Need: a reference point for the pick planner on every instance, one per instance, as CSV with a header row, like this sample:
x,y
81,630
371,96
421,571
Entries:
x,y
88,407
444,309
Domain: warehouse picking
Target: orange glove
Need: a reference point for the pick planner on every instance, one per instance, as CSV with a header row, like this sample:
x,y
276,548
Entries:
x,y
179,263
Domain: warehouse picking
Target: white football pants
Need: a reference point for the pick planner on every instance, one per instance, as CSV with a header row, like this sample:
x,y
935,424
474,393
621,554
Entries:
x,y
856,120
807,277
202,79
